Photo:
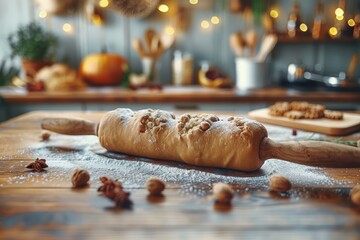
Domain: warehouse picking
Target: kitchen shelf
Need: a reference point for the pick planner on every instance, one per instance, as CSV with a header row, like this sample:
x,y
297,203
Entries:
x,y
283,38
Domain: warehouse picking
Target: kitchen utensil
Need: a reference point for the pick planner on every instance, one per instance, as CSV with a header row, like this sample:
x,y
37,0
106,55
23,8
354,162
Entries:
x,y
251,39
149,38
312,153
139,48
352,67
267,45
350,123
237,43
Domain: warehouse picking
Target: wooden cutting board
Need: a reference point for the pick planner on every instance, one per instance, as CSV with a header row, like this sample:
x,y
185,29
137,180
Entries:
x,y
349,124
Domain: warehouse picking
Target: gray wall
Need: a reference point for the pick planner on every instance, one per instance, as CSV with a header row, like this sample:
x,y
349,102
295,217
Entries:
x,y
211,45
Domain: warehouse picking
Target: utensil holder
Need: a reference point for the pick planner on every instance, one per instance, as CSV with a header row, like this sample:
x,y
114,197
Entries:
x,y
250,73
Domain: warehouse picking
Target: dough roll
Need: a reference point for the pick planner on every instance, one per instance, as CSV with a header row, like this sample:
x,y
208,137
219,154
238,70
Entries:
x,y
202,140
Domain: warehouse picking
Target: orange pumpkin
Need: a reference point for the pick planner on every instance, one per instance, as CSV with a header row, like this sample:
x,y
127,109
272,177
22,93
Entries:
x,y
103,69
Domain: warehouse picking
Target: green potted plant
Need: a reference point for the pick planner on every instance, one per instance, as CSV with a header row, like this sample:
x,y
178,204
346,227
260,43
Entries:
x,y
35,46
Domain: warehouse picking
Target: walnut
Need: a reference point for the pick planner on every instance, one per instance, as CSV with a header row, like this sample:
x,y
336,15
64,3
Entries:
x,y
223,193
144,119
204,126
155,186
279,183
80,178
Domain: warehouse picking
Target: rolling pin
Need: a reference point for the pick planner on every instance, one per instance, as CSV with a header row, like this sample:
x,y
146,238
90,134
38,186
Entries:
x,y
202,140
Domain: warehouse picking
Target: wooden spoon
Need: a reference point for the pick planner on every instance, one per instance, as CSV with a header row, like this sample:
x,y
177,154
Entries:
x,y
311,153
266,47
237,43
148,37
251,39
137,45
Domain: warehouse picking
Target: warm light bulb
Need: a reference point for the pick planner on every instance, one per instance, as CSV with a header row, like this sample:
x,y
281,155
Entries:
x,y
163,8
169,30
333,31
103,3
339,12
193,2
351,22
215,20
97,20
341,17
303,27
67,28
205,24
274,13
42,14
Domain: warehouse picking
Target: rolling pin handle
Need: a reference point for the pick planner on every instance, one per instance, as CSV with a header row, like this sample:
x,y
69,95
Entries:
x,y
70,126
311,153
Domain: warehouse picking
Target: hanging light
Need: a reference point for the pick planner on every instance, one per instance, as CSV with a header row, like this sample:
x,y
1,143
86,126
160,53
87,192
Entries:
x,y
205,24
163,8
215,20
42,14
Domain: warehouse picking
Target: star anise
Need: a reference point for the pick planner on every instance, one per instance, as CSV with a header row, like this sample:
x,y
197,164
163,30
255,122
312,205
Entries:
x,y
38,165
121,198
108,185
113,190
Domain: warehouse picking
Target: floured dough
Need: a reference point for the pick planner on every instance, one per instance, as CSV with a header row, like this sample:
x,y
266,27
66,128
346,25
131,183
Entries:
x,y
203,140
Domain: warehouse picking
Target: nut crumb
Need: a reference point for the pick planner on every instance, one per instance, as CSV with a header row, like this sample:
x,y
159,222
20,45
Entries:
x,y
80,178
222,193
155,186
204,126
45,136
279,183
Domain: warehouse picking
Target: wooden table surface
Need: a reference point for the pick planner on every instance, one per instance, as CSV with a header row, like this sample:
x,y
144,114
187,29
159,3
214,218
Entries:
x,y
45,206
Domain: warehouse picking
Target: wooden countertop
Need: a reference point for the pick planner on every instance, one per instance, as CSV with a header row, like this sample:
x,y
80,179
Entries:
x,y
193,94
44,206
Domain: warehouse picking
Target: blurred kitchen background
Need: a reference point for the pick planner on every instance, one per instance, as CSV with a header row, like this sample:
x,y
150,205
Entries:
x,y
315,44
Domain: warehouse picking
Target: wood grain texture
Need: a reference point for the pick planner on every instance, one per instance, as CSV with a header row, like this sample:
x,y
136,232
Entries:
x,y
312,153
44,206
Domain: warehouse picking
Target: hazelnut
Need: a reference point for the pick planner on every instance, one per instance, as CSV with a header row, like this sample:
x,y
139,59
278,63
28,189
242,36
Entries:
x,y
279,183
204,126
155,186
230,118
80,178
222,193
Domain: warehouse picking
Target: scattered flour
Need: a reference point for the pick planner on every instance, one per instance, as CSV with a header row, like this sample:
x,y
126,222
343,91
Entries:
x,y
65,153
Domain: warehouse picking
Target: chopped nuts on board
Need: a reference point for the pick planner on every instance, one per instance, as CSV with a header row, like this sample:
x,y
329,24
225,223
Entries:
x,y
222,193
155,186
38,165
279,183
80,178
